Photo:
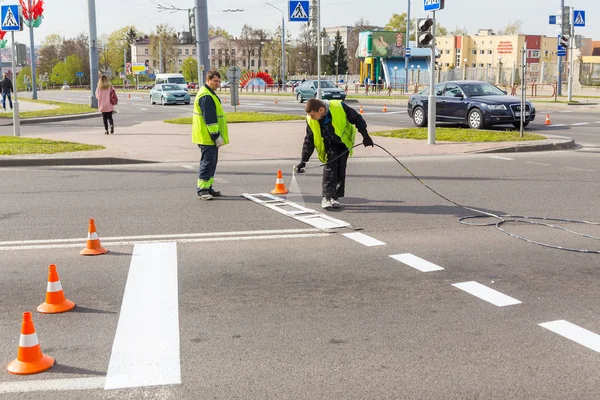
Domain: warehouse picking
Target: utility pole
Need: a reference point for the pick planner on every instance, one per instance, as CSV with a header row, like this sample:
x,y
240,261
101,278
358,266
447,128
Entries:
x,y
319,92
32,50
407,40
202,38
562,24
431,98
160,63
282,44
93,52
571,51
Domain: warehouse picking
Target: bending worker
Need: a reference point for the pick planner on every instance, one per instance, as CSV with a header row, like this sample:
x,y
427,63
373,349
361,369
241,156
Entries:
x,y
209,132
331,129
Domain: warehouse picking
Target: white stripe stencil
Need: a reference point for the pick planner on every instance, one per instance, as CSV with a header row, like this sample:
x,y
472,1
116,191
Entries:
x,y
581,123
52,384
416,262
486,293
502,158
146,347
575,333
364,239
54,287
28,340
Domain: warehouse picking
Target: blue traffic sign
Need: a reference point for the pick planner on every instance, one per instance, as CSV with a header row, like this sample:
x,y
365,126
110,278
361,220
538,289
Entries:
x,y
151,76
11,18
562,52
578,18
552,19
407,52
79,74
298,11
433,5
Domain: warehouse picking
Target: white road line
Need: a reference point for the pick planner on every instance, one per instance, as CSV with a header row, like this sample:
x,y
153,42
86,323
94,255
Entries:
x,y
364,239
597,122
144,109
536,163
558,125
486,293
416,262
579,169
580,123
383,113
52,384
146,347
575,333
502,158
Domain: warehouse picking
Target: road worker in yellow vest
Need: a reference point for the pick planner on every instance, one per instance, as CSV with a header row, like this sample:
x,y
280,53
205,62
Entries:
x,y
331,129
209,132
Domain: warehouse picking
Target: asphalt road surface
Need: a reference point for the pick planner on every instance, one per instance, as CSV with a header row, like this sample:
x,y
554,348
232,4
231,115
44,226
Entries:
x,y
229,299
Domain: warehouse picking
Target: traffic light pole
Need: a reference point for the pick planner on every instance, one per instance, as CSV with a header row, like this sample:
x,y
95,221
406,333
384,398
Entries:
x,y
559,80
16,121
93,53
571,51
431,106
202,39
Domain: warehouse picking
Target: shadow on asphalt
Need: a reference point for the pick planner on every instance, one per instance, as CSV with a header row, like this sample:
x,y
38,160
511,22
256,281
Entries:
x,y
65,369
86,310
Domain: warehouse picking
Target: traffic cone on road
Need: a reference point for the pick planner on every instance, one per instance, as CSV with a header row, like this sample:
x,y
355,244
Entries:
x,y
279,184
361,111
275,101
224,99
384,108
129,96
93,247
55,297
548,122
30,359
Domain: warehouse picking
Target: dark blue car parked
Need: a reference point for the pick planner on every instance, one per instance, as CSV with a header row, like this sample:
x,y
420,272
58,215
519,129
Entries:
x,y
474,103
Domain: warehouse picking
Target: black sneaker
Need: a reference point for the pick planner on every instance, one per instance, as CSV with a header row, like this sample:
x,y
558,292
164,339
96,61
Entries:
x,y
205,195
112,129
214,193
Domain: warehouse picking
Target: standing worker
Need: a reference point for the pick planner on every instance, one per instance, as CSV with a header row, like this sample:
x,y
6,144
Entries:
x,y
331,129
209,132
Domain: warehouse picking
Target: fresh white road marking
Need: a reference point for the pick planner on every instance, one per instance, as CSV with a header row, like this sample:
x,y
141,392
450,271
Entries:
x,y
557,125
502,158
580,123
575,333
146,347
52,384
536,163
416,262
486,293
579,169
364,239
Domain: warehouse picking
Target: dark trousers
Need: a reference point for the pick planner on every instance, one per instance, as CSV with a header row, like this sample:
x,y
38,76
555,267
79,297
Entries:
x,y
208,166
334,173
106,118
4,96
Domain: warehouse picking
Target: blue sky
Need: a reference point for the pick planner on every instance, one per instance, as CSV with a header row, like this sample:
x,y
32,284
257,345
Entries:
x,y
69,17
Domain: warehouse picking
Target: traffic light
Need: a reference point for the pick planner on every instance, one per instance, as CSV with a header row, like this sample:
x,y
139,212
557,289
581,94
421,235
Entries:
x,y
424,35
564,42
192,23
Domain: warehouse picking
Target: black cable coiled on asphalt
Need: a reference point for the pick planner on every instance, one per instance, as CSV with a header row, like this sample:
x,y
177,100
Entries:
x,y
503,219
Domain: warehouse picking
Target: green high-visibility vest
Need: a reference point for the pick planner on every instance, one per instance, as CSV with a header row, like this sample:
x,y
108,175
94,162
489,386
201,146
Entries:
x,y
344,129
200,130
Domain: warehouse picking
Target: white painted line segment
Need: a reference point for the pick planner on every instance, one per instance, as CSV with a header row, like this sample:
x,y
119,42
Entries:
x,y
557,125
146,347
364,239
502,158
52,385
580,123
579,169
537,163
575,333
416,262
486,293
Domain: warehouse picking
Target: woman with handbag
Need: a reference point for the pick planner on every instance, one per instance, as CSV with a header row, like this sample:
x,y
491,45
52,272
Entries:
x,y
107,99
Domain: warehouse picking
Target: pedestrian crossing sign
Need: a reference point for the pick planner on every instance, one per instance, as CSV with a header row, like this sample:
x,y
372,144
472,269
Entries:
x,y
11,18
299,11
579,18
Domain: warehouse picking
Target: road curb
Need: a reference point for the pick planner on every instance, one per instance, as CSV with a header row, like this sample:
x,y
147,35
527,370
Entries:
x,y
526,148
45,162
58,118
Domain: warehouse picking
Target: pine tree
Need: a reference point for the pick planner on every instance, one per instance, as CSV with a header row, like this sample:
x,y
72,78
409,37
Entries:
x,y
338,54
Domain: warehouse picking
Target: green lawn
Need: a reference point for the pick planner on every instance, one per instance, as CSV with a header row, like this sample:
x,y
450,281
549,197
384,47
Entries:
x,y
238,117
63,109
12,145
460,135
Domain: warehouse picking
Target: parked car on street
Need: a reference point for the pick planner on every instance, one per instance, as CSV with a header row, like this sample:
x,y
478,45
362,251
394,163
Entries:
x,y
308,90
473,103
169,94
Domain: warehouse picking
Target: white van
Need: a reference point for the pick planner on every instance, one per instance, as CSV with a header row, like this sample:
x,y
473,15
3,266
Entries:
x,y
172,78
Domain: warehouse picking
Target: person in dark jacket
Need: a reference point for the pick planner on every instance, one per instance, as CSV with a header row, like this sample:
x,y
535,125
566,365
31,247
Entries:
x,y
331,130
7,88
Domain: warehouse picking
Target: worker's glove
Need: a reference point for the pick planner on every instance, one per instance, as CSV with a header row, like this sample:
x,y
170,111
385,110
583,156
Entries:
x,y
219,141
367,141
299,169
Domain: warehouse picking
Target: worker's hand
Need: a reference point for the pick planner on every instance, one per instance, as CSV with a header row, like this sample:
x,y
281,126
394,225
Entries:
x,y
367,141
219,141
299,169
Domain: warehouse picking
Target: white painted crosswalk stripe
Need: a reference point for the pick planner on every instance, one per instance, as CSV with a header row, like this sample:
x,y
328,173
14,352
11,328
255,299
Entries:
x,y
575,333
416,262
146,347
41,385
486,293
364,239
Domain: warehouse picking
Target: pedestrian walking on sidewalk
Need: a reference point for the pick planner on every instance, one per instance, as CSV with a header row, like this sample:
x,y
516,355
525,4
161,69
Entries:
x,y
209,132
7,88
331,129
107,99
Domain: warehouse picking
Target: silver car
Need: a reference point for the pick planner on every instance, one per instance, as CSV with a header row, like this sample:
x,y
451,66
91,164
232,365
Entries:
x,y
168,93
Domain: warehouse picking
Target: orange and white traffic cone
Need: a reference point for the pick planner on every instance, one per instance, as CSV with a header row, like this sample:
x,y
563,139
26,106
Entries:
x,y
224,99
279,184
361,111
93,248
384,108
55,297
129,96
275,101
30,359
548,122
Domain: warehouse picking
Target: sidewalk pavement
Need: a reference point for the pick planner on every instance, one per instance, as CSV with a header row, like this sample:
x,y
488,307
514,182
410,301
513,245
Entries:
x,y
168,143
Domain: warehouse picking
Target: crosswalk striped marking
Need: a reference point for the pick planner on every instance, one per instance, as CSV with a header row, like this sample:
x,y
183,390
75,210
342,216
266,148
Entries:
x,y
486,293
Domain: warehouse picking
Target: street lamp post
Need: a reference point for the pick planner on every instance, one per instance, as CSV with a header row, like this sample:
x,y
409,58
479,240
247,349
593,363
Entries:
x,y
337,77
395,71
418,74
412,74
499,70
282,45
465,69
